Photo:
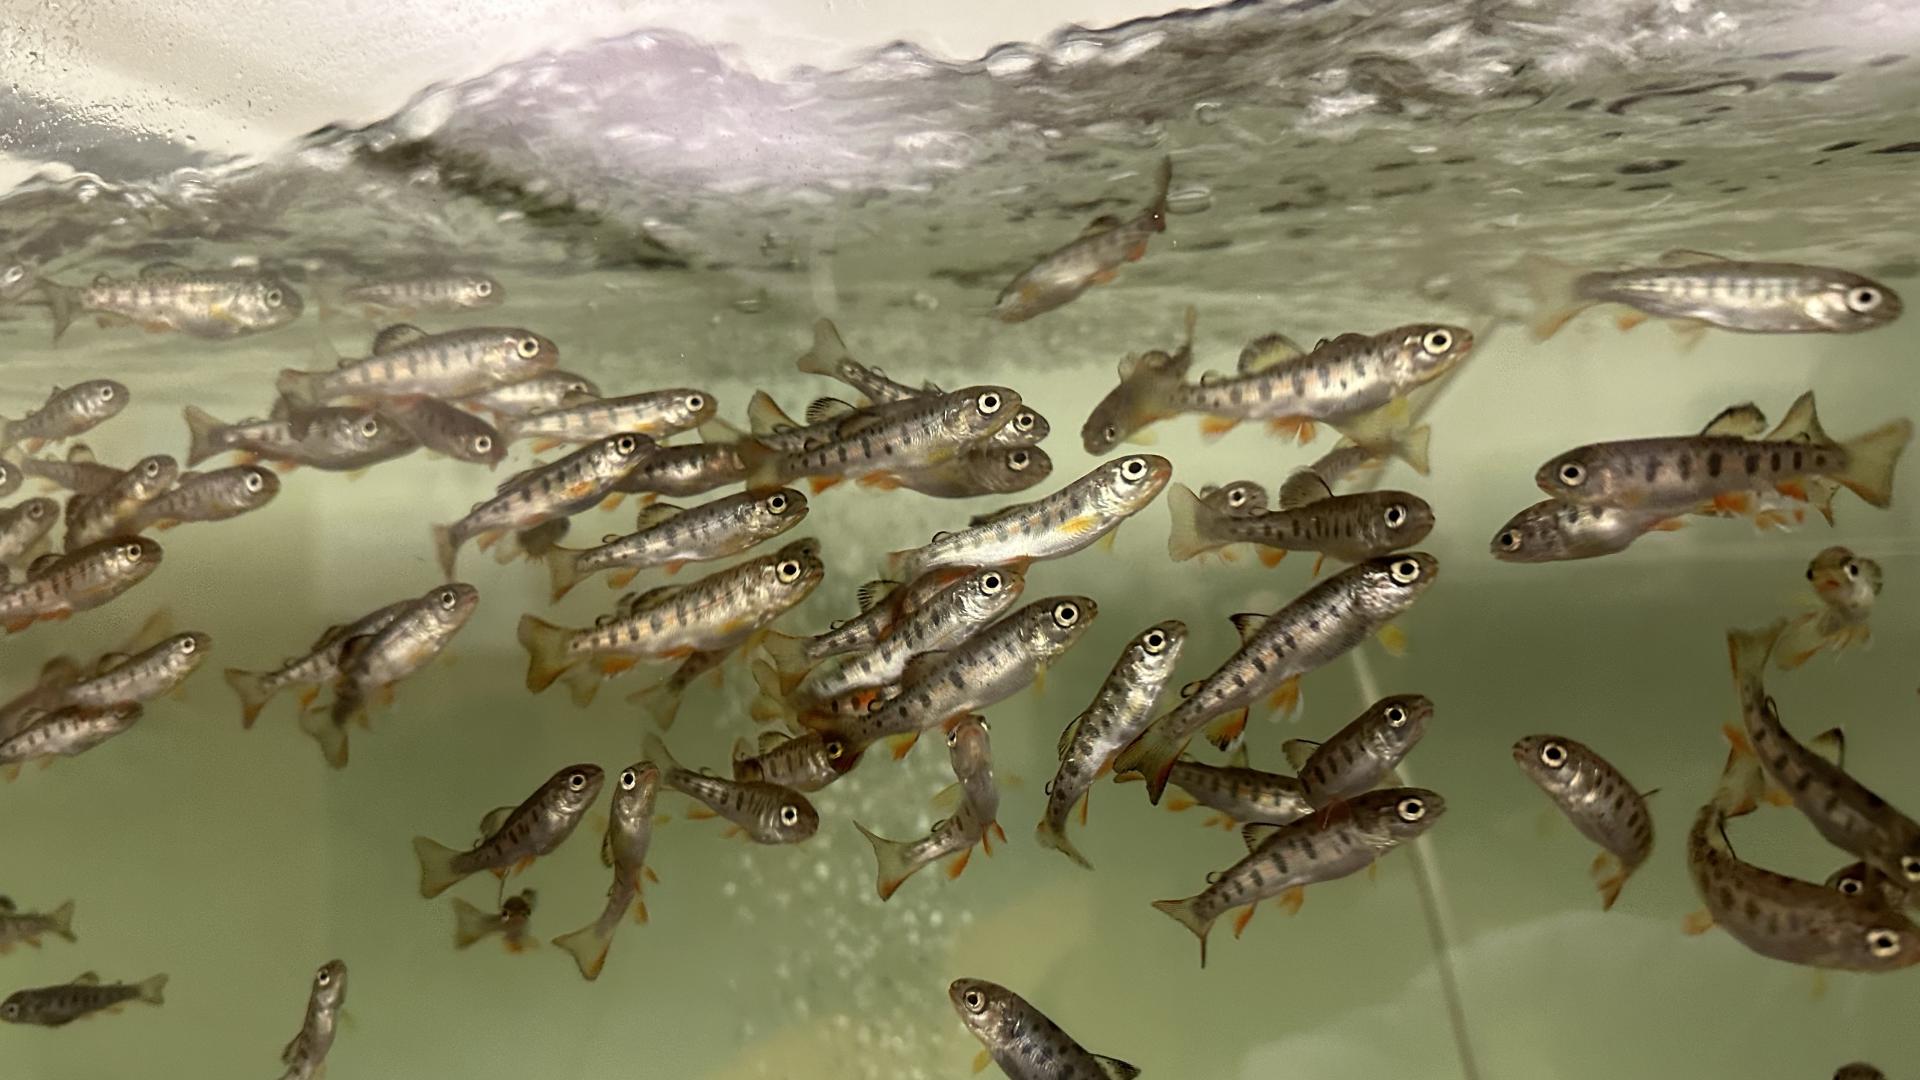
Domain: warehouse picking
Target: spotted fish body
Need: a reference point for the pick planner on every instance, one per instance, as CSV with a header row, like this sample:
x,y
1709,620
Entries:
x,y
944,619
1092,259
1120,710
982,470
1149,388
1857,879
67,412
1555,531
1842,809
681,471
830,357
333,438
765,813
373,664
1237,793
805,763
78,472
1056,525
1313,630
629,835
319,666
1748,297
209,496
408,361
551,389
58,1006
1365,752
66,732
95,517
536,827
932,430
989,667
670,536
306,1055
1023,1041
1346,527
955,835
1597,799
883,604
1284,859
57,587
545,493
142,677
211,304
659,414
448,429
429,292
715,613
28,927
24,526
1349,382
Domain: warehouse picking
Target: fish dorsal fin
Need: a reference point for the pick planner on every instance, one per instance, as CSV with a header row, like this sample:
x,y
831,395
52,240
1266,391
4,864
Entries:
x,y
328,636
109,661
1689,256
1103,223
1240,759
1129,364
1248,623
1114,1068
655,513
397,336
992,516
650,598
1267,350
873,592
1744,421
770,741
514,481
42,564
1298,751
717,430
922,665
765,416
154,270
494,820
59,671
1066,736
948,798
823,409
1304,488
1801,424
1342,340
931,387
1256,833
87,978
81,454
1832,745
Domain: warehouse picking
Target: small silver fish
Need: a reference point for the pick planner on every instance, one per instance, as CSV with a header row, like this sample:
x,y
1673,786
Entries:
x,y
1847,586
660,413
407,361
1598,800
427,292
78,472
91,518
24,528
670,536
1069,520
536,827
1236,792
1283,859
629,836
59,586
1093,259
1023,1041
681,471
876,448
28,927
447,429
71,411
806,763
1349,528
64,732
1555,531
58,1006
306,1055
762,812
551,389
372,664
1363,753
318,667
971,754
883,604
543,493
208,496
212,304
1120,710
1698,290
513,922
122,680
982,470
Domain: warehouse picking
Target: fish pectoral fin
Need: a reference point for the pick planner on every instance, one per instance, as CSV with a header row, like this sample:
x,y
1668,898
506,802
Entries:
x,y
1179,803
1212,427
1609,876
959,864
700,813
1393,639
981,1060
1298,428
903,745
1697,922
1286,697
1291,900
1226,730
1627,320
1241,920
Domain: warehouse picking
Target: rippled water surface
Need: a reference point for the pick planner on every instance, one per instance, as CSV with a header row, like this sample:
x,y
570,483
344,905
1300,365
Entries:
x,y
670,220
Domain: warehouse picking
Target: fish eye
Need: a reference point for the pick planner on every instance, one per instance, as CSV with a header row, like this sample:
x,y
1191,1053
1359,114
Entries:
x,y
953,737
1910,867
1411,808
836,749
1155,640
1850,885
789,815
625,444
1853,570
483,288
1237,497
696,402
448,598
1769,710
1573,474
254,482
131,552
1863,298
1809,573
1018,460
576,781
777,503
1437,341
1065,614
369,427
324,976
1111,432
151,468
1396,516
628,779
1396,715
989,403
36,511
1509,540
974,1000
991,583
188,645
482,444
106,392
274,297
579,388
10,1010
1883,943
14,273
1553,755
1023,421
1133,468
528,347
1405,571
788,571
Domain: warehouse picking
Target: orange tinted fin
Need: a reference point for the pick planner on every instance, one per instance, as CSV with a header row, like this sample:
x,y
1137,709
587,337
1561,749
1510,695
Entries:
x,y
1287,697
614,665
1733,502
1215,426
541,446
1698,922
1669,525
1298,428
1269,557
1085,801
1219,821
619,579
903,745
1630,319
959,865
701,813
880,481
981,1060
1241,920
1792,489
1291,900
1180,802
1609,877
822,483
1225,730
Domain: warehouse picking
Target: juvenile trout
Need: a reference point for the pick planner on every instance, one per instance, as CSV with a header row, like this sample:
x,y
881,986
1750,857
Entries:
x,y
1022,1041
543,493
371,665
306,1055
428,292
28,927
982,470
208,496
448,429
659,414
211,304
407,361
1350,528
318,667
1847,586
513,922
91,518
629,834
1698,290
122,680
1363,753
58,1006
24,528
58,586
1149,390
762,812
536,827
1598,800
1555,531
78,472
1236,792
551,389
805,763
875,449
333,438
897,860
67,412
671,536
1094,258
682,471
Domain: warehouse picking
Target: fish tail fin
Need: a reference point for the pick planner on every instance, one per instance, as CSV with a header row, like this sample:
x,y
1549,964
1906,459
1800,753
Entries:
x,y
1187,913
761,463
153,991
827,352
63,302
1870,461
253,690
437,874
659,702
563,568
1191,518
1152,756
446,548
1054,835
1552,285
329,733
656,751
895,861
788,655
60,921
546,646
300,388
1411,447
588,946
1748,650
470,924
202,426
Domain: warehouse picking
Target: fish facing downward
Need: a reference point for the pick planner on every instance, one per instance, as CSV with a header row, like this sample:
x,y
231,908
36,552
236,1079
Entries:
x,y
1022,1041
1283,859
629,835
536,827
512,922
1598,800
972,823
1698,290
1120,710
306,1055
58,1006
762,812
1094,258
68,411
1148,392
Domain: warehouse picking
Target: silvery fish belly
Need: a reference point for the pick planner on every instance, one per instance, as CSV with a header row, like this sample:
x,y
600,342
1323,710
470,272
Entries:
x,y
658,413
59,586
407,361
428,292
213,304
1695,289
1600,802
68,411
1023,1041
